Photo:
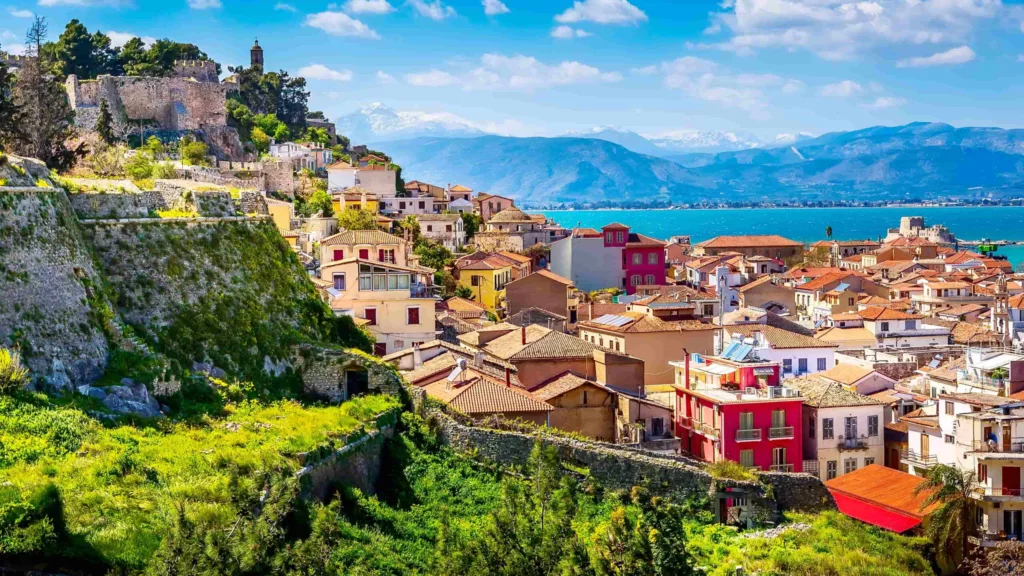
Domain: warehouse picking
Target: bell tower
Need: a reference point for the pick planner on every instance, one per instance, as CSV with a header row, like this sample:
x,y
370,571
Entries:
x,y
1000,308
256,56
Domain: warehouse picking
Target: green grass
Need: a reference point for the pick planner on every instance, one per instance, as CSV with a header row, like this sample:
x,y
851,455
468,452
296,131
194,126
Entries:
x,y
119,487
834,545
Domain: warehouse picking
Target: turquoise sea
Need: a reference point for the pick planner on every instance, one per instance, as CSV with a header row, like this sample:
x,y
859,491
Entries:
x,y
808,224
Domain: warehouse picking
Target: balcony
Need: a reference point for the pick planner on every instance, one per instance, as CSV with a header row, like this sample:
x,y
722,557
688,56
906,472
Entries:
x,y
684,422
780,432
983,490
748,435
1015,446
914,458
781,468
852,443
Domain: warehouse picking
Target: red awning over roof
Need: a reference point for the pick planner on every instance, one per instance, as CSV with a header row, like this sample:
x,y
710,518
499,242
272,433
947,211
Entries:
x,y
874,515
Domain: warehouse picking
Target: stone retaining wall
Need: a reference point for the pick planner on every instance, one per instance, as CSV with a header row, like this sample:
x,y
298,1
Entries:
x,y
325,372
357,463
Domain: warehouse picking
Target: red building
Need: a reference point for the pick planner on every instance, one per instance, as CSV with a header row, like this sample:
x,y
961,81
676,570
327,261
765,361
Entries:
x,y
643,257
735,410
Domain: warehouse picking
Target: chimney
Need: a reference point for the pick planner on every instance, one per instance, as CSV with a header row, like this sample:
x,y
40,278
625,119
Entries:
x,y
478,359
522,331
508,377
417,356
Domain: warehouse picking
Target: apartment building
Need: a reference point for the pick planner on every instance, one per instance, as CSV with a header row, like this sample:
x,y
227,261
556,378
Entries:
x,y
797,353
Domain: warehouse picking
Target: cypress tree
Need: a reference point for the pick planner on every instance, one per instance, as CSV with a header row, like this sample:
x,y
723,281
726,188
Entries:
x,y
103,123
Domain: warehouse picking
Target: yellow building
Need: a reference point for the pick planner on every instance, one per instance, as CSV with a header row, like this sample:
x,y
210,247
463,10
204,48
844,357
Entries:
x,y
486,278
282,212
355,199
394,302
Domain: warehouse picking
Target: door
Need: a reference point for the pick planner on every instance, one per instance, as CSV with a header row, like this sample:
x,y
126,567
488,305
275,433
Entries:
x,y
1012,523
924,445
1006,439
1011,480
371,315
851,428
658,427
357,382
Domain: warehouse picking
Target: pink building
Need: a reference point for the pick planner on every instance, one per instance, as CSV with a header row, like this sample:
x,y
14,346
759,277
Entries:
x,y
734,410
613,258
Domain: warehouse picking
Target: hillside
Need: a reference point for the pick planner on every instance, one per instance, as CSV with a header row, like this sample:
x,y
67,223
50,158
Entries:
x,y
920,160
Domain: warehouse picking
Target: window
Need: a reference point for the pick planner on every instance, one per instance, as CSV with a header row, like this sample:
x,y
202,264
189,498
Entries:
x,y
364,254
949,439
365,282
849,465
802,365
430,227
884,327
850,427
399,344
747,458
869,461
872,425
827,431
649,279
778,418
849,301
422,205
412,315
638,259
787,365
584,397
371,315
821,364
619,237
339,281
652,258
746,420
830,470
982,472
401,205
448,228
339,254
911,324
634,280
474,280
810,427
949,407
609,237
778,456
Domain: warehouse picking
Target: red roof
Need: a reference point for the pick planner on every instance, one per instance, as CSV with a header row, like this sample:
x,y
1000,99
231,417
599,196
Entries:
x,y
881,496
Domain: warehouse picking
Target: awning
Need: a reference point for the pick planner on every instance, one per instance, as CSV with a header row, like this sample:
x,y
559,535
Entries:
x,y
874,514
764,371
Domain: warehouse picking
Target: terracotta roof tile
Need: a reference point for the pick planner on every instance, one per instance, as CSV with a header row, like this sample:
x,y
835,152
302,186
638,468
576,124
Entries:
x,y
352,237
884,487
778,338
560,384
766,240
823,280
822,393
880,313
847,374
482,396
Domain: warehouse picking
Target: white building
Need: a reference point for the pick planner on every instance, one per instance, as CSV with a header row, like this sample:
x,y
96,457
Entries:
x,y
379,180
796,353
843,430
982,433
584,259
461,206
446,229
898,329
315,158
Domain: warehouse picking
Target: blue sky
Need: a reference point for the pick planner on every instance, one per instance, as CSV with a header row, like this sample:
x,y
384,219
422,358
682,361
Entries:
x,y
531,67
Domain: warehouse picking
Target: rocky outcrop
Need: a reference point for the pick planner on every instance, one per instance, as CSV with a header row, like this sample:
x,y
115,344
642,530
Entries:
x,y
127,398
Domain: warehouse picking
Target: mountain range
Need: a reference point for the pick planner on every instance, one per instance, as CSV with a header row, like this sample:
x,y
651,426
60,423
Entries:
x,y
918,160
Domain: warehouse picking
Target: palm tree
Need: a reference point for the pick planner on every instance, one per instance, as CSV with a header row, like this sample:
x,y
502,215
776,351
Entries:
x,y
952,521
828,232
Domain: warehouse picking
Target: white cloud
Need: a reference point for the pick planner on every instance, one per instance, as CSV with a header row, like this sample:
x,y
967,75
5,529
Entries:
x,y
21,13
843,89
369,7
321,72
707,80
85,2
494,7
339,24
602,12
840,29
384,77
118,39
431,79
953,56
564,31
434,10
203,4
884,102
646,70
16,49
285,7
515,73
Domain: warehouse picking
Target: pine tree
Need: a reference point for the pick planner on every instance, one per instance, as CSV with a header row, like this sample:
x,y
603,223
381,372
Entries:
x,y
103,123
10,114
47,117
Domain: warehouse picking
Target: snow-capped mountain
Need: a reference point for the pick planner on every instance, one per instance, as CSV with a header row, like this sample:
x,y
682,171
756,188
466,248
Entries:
x,y
699,141
790,139
379,123
625,138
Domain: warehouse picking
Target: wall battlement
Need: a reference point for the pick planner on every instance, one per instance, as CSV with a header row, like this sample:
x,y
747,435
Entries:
x,y
198,70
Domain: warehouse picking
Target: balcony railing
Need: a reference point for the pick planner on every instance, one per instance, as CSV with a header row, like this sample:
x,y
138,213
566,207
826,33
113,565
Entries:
x,y
852,443
685,422
1016,446
781,468
780,432
917,459
811,467
706,429
748,435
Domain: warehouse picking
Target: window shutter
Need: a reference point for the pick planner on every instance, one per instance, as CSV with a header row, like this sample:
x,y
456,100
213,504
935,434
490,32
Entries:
x,y
339,254
414,315
371,315
364,254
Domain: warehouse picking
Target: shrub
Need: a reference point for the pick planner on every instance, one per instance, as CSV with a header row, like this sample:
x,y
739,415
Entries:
x,y
729,470
164,170
13,376
195,154
139,167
